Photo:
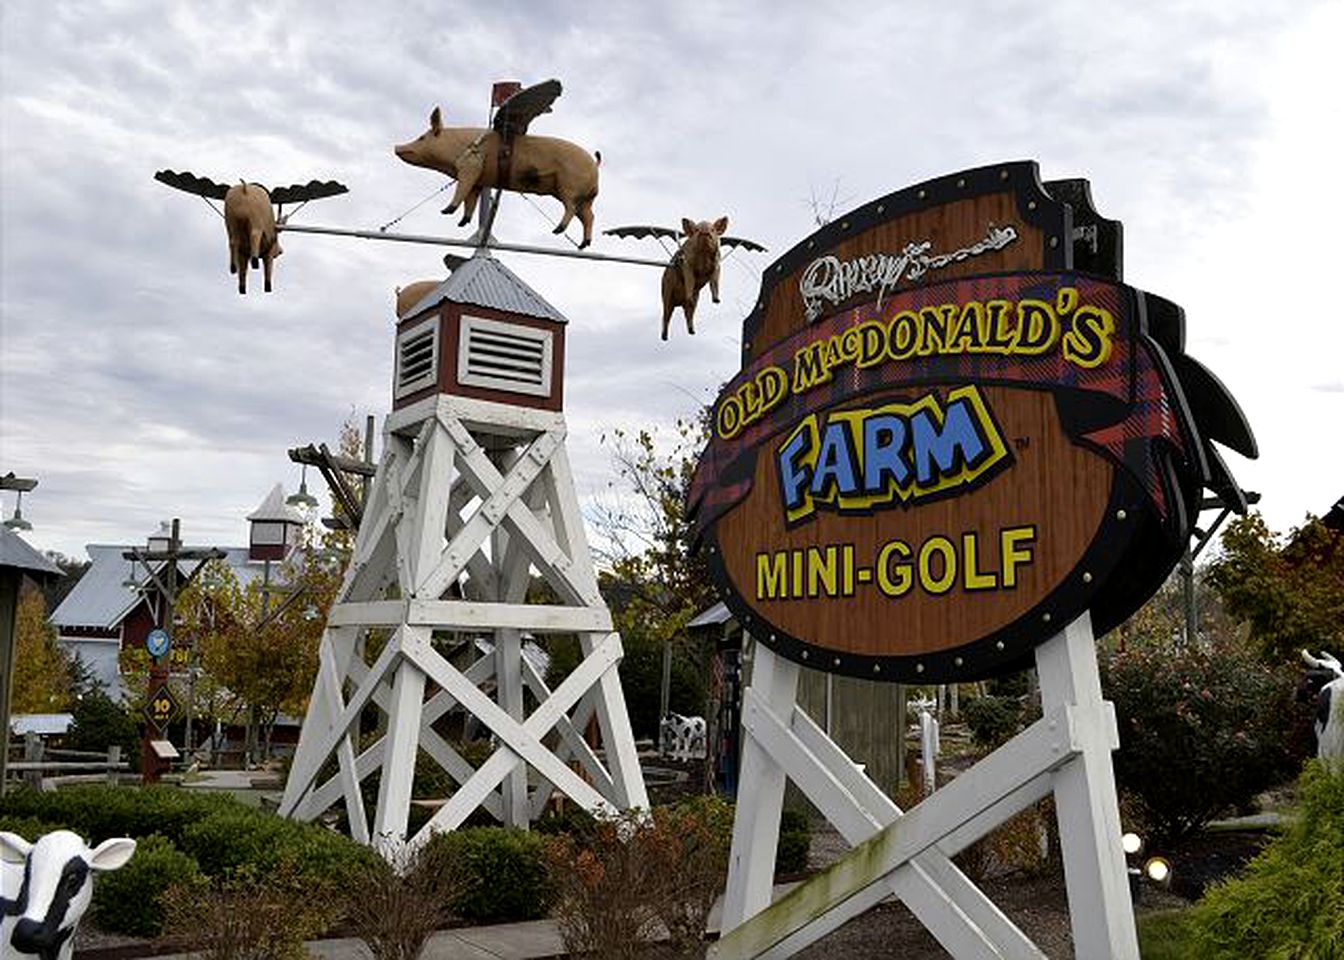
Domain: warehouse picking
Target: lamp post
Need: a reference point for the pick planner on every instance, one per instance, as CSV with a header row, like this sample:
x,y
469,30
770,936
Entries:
x,y
160,559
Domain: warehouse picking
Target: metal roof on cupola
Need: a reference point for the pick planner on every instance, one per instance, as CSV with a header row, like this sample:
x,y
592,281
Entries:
x,y
482,281
274,509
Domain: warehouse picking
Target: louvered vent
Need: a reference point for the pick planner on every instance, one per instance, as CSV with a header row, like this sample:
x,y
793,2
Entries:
x,y
504,356
417,358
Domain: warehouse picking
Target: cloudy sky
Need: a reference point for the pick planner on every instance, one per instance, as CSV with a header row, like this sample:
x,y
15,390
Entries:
x,y
136,384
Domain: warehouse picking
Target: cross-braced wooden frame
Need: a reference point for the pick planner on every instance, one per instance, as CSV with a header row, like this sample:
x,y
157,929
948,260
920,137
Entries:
x,y
908,854
470,498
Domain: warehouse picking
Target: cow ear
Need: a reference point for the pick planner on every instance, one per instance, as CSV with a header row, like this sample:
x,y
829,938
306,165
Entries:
x,y
13,848
687,226
436,121
112,854
720,225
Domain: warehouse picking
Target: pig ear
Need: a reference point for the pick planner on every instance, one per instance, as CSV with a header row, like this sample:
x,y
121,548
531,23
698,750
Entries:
x,y
13,848
687,226
111,854
720,225
436,121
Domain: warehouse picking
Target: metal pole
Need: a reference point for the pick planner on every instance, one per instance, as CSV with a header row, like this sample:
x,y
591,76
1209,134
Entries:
x,y
469,244
9,608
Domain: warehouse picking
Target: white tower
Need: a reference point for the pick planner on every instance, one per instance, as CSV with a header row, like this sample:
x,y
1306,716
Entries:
x,y
473,495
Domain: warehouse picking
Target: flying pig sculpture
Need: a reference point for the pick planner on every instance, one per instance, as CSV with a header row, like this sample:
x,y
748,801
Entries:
x,y
695,264
250,215
46,886
250,221
505,156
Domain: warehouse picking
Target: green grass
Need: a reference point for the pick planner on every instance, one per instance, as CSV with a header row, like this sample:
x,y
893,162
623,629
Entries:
x,y
1164,934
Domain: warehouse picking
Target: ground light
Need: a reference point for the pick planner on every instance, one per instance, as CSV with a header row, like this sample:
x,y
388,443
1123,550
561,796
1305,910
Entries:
x,y
1156,869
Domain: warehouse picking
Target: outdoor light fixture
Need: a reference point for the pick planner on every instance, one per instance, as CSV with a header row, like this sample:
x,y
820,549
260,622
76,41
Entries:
x,y
1132,843
303,498
17,522
1157,869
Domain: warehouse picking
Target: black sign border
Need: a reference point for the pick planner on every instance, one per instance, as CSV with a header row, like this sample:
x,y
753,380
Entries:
x,y
1035,205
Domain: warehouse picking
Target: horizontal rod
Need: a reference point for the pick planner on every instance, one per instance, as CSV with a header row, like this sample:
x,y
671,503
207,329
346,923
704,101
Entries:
x,y
446,242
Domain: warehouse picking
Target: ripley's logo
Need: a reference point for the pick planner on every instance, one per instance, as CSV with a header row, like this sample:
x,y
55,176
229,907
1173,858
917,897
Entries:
x,y
861,459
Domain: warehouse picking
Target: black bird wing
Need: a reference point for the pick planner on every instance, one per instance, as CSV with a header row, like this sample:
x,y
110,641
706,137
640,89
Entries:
x,y
515,113
190,183
312,190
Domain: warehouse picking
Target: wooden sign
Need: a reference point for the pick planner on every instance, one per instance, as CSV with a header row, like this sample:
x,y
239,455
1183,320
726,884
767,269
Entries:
x,y
947,441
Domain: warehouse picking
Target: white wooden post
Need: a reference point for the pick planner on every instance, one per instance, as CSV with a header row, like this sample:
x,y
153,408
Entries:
x,y
908,853
760,798
1088,811
478,495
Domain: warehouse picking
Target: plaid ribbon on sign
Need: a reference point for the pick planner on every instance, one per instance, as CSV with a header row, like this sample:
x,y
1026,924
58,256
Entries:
x,y
1131,375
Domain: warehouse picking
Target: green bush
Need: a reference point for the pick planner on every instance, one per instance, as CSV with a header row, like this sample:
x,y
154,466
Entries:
x,y
992,720
129,900
99,723
30,828
100,812
795,839
1289,901
506,869
219,833
1203,728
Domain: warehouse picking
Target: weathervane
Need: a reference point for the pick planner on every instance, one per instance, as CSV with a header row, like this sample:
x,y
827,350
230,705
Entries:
x,y
482,160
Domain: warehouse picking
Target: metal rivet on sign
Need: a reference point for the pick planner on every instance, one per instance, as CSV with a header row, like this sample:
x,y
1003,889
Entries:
x,y
919,668
1120,515
1031,204
810,244
804,654
923,194
957,661
881,208
844,225
1087,578
999,645
1054,241
1045,617
836,662
1003,174
877,668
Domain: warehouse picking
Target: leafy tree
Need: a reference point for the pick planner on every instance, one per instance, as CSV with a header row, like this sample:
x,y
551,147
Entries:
x,y
1290,590
42,677
652,580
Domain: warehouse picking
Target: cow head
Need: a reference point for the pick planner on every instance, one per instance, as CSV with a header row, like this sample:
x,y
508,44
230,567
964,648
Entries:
x,y
56,887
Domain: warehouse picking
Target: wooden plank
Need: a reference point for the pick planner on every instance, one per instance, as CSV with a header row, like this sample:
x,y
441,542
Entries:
x,y
403,735
1095,873
533,617
954,910
751,859
521,741
1046,745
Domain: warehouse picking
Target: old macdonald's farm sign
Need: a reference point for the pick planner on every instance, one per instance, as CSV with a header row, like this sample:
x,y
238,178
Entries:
x,y
954,431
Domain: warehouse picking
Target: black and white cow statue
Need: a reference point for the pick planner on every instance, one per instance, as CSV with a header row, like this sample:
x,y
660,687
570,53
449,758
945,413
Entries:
x,y
46,886
682,738
1325,682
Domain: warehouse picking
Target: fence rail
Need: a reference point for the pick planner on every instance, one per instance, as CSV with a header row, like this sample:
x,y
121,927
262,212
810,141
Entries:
x,y
41,772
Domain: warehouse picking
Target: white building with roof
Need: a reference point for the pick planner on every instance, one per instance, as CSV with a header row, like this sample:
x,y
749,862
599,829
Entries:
x,y
110,608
